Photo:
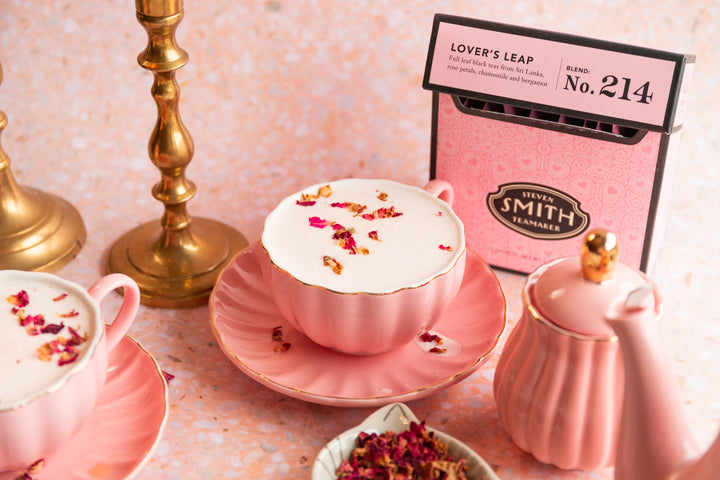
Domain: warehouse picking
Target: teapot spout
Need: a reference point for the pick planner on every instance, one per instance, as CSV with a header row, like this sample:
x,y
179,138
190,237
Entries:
x,y
654,441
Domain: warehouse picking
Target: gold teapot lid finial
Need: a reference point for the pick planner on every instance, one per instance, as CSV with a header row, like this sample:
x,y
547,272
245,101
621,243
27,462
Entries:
x,y
599,255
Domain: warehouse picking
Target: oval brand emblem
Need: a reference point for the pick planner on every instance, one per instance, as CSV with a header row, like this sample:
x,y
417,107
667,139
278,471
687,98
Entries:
x,y
538,211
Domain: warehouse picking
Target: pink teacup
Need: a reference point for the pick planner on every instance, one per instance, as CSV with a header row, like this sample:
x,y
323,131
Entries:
x,y
363,266
53,358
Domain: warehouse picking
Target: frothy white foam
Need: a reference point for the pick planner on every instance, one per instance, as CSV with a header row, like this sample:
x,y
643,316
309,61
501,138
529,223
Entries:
x,y
22,372
425,240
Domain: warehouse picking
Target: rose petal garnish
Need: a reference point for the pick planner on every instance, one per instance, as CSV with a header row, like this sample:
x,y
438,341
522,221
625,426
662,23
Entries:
x,y
431,337
356,208
277,334
35,467
336,267
318,222
283,347
374,235
438,350
382,196
75,337
382,213
447,248
53,328
59,297
72,313
67,357
20,299
45,352
168,376
325,191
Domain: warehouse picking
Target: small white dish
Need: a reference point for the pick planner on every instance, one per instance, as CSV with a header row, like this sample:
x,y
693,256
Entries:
x,y
395,417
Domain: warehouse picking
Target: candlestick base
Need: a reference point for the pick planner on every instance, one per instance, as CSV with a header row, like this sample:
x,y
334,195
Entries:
x,y
38,231
175,269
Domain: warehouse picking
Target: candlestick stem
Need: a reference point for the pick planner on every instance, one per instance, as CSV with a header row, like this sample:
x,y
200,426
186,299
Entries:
x,y
38,231
175,261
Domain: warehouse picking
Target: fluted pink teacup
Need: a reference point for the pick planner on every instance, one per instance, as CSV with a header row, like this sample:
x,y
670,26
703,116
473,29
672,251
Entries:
x,y
363,266
54,350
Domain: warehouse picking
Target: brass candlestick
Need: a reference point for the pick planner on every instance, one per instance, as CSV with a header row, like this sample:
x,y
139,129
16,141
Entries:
x,y
38,231
175,261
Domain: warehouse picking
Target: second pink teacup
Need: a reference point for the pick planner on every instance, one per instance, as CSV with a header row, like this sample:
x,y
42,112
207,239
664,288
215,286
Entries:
x,y
363,266
53,358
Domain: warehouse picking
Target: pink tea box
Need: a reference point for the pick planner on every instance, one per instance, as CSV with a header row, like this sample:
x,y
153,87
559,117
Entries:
x,y
545,135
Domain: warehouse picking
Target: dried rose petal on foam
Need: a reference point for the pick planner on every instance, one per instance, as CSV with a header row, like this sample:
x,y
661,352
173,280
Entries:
x,y
374,235
356,208
447,248
168,376
325,191
20,299
382,196
72,313
67,357
75,337
438,350
318,222
382,213
45,352
336,267
59,297
53,328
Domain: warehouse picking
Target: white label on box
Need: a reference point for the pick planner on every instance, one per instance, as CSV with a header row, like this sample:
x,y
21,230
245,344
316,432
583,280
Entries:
x,y
631,86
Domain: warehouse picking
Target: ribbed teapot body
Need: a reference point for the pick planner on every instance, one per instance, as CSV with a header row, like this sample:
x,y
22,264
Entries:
x,y
559,394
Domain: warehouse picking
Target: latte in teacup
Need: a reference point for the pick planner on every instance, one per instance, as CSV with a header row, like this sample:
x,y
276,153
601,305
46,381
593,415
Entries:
x,y
44,332
362,235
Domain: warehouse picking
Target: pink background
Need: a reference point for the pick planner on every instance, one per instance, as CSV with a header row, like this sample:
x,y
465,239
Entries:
x,y
278,95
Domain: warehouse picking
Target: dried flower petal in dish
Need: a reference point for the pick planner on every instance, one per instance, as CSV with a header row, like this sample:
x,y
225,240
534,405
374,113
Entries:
x,y
398,418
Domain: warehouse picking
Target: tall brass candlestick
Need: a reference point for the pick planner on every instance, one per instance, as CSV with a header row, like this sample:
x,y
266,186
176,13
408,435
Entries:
x,y
38,231
175,261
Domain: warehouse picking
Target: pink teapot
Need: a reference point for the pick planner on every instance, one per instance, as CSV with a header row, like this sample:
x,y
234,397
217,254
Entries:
x,y
654,442
560,378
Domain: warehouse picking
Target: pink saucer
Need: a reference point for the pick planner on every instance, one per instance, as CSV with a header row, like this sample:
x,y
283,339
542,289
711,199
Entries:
x,y
243,316
125,426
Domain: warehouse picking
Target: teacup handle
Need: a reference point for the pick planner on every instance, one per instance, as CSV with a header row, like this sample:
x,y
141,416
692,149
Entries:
x,y
130,304
441,189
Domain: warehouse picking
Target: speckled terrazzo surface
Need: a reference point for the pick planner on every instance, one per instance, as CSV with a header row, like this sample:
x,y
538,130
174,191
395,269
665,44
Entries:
x,y
278,95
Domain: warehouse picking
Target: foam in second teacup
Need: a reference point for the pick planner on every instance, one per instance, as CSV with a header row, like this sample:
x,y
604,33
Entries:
x,y
363,235
45,330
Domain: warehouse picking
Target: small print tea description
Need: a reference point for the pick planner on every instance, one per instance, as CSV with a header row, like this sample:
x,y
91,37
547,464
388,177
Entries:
x,y
508,66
